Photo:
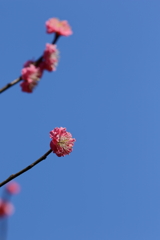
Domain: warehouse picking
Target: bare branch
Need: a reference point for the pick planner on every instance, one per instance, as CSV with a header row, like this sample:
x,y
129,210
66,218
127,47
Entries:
x,y
25,169
10,84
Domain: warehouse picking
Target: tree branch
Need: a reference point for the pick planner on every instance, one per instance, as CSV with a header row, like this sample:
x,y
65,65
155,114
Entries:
x,y
25,169
10,84
36,63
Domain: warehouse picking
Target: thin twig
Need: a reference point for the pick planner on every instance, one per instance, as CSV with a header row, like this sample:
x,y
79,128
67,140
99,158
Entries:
x,y
25,169
36,63
10,84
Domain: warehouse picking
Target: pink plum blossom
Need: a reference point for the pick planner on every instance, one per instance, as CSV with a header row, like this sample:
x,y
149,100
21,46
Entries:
x,y
31,75
54,25
28,86
13,188
62,141
6,208
50,57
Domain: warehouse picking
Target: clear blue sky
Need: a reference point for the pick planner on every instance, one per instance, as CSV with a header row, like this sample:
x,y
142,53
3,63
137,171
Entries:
x,y
106,91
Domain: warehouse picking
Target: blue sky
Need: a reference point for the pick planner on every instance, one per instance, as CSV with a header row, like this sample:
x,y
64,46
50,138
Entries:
x,y
106,93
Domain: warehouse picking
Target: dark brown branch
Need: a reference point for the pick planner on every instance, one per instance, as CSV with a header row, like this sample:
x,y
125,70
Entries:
x,y
25,169
10,84
55,38
36,63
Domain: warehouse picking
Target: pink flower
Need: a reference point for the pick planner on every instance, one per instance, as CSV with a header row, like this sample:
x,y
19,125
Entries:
x,y
6,208
50,57
62,141
59,27
28,86
30,72
13,188
31,75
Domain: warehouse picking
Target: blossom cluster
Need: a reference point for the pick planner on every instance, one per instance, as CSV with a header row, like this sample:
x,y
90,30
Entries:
x,y
33,70
31,73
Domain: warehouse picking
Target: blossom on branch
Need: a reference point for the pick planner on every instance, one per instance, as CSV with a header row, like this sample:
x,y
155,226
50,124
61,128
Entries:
x,y
31,75
50,57
62,141
54,25
6,208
